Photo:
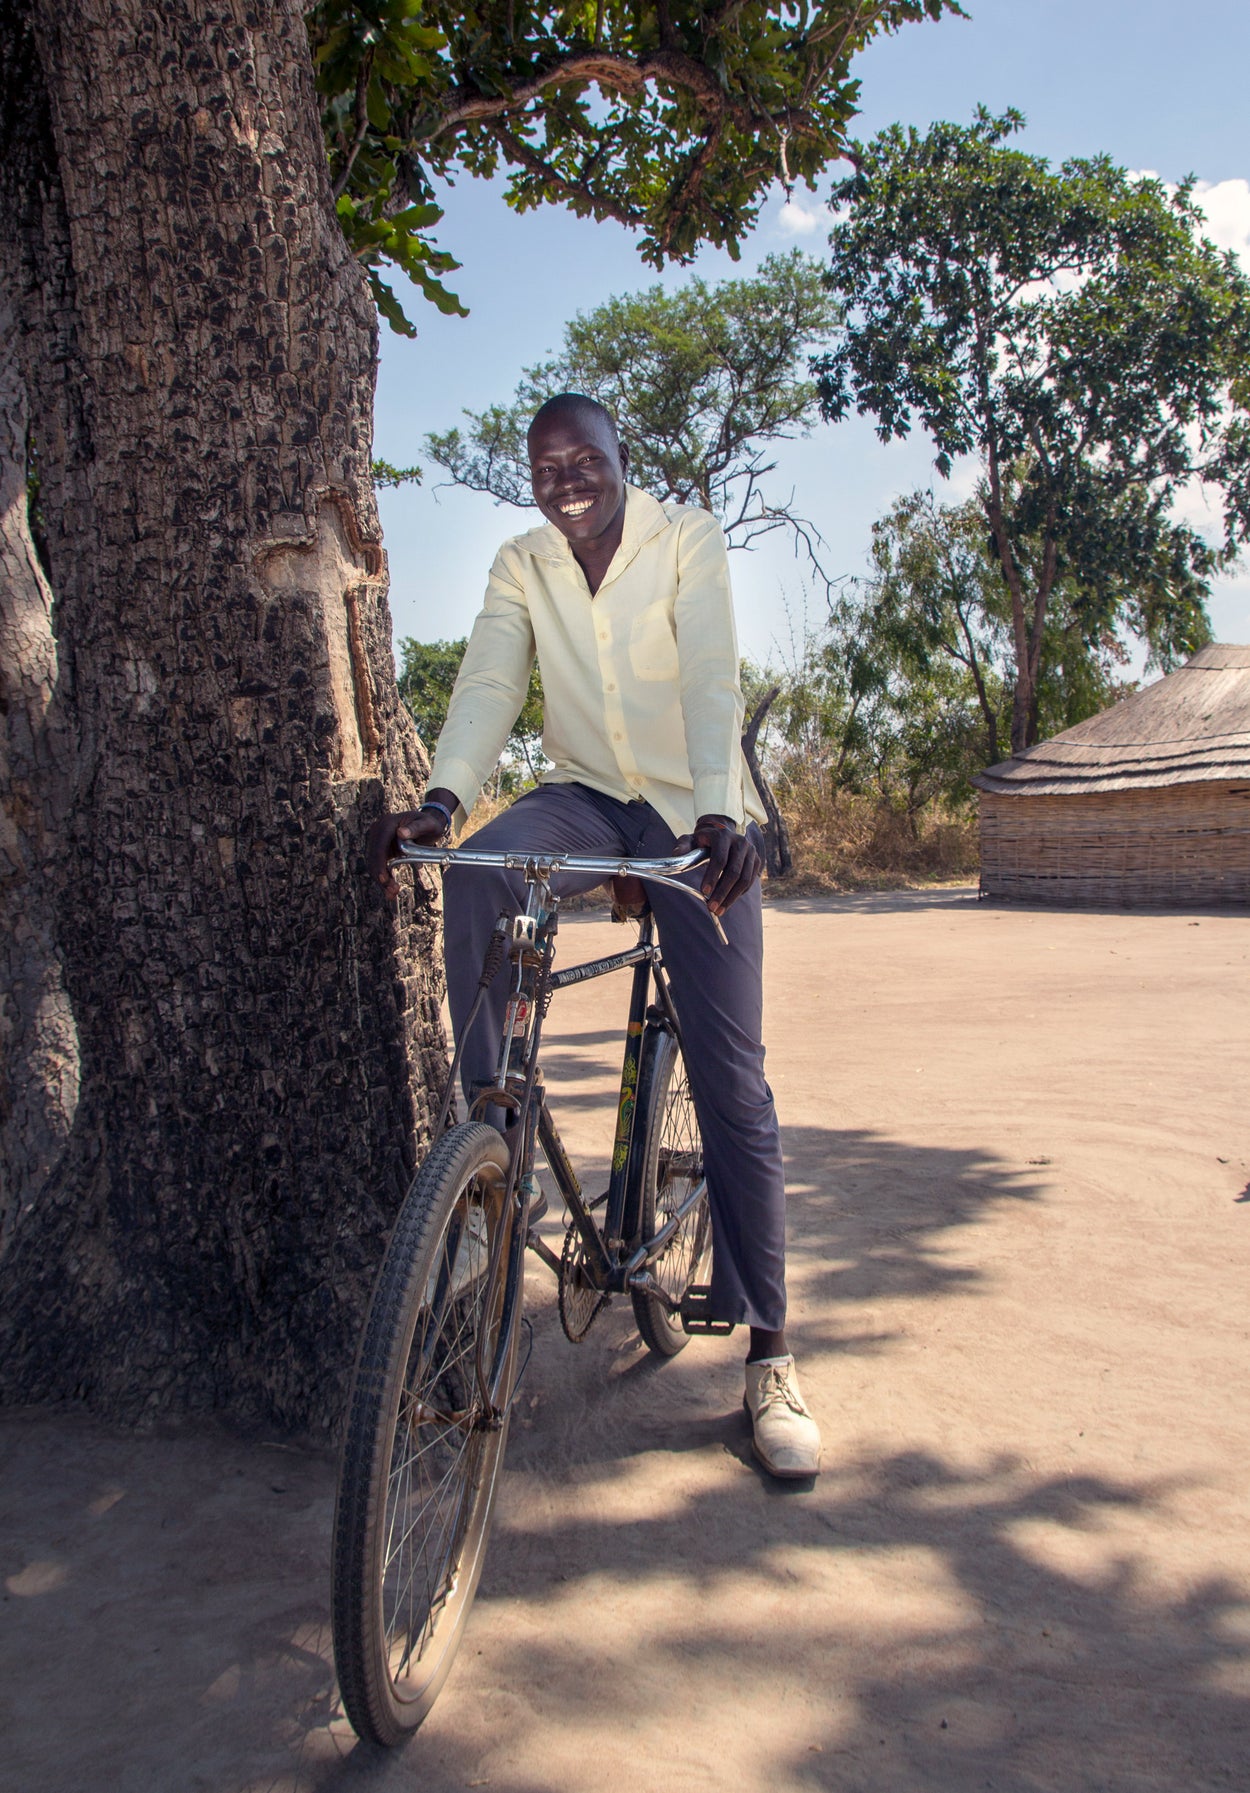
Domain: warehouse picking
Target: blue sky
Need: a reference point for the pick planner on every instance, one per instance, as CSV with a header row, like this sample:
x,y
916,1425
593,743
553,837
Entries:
x,y
1156,87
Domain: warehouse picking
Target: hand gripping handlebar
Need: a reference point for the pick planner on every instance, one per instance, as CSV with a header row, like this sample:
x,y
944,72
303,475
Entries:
x,y
543,865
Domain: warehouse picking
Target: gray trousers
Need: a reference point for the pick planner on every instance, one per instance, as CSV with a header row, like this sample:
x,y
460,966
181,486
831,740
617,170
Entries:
x,y
717,991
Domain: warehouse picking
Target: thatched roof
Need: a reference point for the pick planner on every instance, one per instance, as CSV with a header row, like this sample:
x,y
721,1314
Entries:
x,y
1193,726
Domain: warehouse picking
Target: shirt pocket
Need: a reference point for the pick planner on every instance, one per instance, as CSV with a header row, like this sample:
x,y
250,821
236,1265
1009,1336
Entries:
x,y
653,644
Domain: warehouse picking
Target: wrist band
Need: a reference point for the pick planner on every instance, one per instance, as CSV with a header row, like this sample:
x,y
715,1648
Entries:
x,y
444,812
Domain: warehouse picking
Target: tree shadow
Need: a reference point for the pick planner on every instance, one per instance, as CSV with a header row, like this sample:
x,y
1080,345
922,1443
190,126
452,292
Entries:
x,y
654,1611
1027,1677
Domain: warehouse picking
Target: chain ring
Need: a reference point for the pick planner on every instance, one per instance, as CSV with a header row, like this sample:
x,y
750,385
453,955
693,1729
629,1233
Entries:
x,y
579,1301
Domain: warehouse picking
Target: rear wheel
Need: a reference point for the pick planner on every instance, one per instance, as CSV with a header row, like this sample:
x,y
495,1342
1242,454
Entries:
x,y
671,1165
422,1451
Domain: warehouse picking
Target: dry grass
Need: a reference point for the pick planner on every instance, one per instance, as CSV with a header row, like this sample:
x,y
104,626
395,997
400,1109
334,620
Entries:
x,y
485,810
846,842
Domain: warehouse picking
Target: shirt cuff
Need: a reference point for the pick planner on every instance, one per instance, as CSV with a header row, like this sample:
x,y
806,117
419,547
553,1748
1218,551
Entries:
x,y
719,794
459,777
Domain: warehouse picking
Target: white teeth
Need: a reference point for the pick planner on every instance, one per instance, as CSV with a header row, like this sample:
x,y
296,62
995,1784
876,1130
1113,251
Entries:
x,y
577,508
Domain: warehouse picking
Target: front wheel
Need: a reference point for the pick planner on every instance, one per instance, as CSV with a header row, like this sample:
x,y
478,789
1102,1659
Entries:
x,y
422,1449
671,1165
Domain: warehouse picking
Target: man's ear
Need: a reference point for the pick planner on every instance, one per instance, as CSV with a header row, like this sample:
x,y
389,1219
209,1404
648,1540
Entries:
x,y
624,458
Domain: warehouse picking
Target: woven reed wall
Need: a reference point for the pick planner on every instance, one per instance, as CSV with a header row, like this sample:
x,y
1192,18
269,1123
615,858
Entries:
x,y
1185,843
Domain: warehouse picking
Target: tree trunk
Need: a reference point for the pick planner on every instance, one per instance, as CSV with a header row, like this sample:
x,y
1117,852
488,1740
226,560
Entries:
x,y
257,1033
780,859
38,1042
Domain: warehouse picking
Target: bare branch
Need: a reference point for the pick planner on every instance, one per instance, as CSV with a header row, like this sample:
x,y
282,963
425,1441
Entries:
x,y
362,124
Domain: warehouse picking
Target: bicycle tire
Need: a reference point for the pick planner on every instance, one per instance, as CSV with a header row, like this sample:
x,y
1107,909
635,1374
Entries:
x,y
412,1440
671,1162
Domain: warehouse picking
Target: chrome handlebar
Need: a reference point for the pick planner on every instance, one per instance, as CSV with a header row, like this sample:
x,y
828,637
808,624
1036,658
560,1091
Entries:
x,y
543,865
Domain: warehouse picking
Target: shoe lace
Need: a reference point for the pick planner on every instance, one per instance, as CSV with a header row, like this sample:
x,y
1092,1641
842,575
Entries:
x,y
777,1390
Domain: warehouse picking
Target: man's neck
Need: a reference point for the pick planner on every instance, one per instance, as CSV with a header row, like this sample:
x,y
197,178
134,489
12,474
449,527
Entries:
x,y
594,558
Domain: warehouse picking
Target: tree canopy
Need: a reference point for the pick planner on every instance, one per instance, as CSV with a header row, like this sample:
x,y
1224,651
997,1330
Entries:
x,y
674,120
700,381
1072,329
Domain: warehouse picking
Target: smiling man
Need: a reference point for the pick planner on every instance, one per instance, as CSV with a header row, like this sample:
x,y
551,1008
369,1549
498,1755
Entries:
x,y
626,603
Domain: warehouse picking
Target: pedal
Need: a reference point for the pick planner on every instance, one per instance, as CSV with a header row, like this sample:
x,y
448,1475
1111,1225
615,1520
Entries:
x,y
695,1315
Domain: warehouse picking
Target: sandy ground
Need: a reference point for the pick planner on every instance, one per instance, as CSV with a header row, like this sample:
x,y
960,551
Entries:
x,y
1019,1150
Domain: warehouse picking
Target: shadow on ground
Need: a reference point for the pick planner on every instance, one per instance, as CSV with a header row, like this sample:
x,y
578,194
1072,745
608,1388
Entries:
x,y
655,1613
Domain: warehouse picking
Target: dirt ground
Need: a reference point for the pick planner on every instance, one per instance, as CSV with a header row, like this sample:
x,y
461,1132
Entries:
x,y
1019,1152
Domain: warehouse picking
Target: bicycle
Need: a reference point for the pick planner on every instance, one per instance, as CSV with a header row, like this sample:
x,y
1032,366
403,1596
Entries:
x,y
437,1369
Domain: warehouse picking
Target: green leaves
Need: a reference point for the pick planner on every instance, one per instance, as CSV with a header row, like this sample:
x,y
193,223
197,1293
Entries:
x,y
386,476
1072,329
673,121
376,238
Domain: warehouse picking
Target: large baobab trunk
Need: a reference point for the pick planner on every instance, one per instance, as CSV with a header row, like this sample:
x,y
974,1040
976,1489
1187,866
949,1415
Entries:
x,y
38,1046
255,1033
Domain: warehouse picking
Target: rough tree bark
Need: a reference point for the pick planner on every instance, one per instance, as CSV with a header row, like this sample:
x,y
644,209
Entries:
x,y
257,1034
779,856
38,1042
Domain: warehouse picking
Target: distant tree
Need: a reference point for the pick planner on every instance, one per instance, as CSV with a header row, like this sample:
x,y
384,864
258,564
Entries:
x,y
934,595
674,120
701,382
906,690
936,592
427,675
1072,329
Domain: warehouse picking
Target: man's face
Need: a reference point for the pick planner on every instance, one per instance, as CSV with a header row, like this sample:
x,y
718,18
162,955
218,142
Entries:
x,y
577,471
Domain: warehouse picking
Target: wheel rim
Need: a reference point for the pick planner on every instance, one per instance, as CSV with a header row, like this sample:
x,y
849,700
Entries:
x,y
442,1449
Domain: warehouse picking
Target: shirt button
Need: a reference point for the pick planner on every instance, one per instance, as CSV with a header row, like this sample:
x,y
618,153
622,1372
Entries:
x,y
609,686
618,736
603,635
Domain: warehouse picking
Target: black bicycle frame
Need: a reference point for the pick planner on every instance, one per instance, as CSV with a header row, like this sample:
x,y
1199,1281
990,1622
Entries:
x,y
519,1088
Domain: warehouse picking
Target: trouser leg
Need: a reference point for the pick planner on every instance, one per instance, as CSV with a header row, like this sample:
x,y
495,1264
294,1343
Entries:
x,y
718,993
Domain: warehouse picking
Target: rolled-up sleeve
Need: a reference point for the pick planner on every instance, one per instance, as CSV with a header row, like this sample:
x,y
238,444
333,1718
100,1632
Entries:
x,y
490,688
707,653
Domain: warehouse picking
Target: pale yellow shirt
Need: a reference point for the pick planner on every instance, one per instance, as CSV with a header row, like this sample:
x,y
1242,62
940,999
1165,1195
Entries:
x,y
641,685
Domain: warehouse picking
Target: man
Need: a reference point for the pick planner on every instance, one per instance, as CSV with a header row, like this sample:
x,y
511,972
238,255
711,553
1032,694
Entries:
x,y
626,603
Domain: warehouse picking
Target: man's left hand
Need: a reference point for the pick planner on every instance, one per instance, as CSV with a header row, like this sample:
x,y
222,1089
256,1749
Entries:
x,y
733,864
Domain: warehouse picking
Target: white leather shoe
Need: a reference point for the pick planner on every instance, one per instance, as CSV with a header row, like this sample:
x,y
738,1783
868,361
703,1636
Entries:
x,y
787,1438
472,1257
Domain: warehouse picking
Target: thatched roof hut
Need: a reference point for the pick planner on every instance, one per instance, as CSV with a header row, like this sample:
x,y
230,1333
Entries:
x,y
1148,802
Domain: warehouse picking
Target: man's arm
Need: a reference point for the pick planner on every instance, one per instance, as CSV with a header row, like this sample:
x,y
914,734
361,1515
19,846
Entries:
x,y
712,709
486,700
490,689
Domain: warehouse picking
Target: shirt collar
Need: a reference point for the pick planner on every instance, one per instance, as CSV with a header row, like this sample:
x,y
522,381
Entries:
x,y
644,517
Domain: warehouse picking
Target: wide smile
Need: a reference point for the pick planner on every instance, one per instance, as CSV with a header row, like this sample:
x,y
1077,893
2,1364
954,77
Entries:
x,y
573,508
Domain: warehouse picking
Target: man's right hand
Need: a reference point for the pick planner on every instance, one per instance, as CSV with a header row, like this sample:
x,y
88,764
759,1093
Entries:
x,y
425,827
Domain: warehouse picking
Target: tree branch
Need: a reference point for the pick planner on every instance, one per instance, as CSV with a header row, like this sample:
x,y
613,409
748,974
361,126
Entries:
x,y
363,78
580,192
613,73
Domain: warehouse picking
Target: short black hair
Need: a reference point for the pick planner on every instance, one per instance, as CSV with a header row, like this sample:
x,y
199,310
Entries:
x,y
574,404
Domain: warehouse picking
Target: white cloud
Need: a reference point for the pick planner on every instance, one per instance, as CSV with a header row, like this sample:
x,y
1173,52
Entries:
x,y
799,220
1227,207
